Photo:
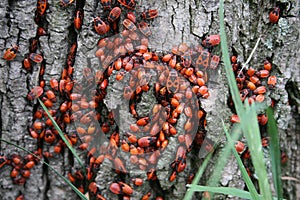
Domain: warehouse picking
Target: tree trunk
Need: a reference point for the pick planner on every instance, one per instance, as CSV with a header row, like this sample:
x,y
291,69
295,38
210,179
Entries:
x,y
178,21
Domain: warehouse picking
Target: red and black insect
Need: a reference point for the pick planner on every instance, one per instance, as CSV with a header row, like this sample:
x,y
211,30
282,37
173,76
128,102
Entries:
x,y
146,141
41,32
272,80
37,58
106,4
36,92
211,40
173,82
203,60
114,14
41,7
150,14
26,64
274,15
100,26
3,161
11,53
78,19
214,62
131,16
144,28
129,25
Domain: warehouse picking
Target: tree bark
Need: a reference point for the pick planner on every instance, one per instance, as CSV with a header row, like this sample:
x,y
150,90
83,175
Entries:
x,y
178,21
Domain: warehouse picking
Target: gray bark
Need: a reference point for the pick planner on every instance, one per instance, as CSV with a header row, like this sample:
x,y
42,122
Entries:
x,y
178,21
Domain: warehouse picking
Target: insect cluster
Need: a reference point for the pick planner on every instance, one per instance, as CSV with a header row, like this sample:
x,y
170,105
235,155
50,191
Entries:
x,y
177,80
254,84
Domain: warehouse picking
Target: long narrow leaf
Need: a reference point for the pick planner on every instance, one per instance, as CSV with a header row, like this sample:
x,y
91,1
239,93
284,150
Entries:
x,y
253,137
62,135
224,190
250,185
58,174
227,191
225,56
275,152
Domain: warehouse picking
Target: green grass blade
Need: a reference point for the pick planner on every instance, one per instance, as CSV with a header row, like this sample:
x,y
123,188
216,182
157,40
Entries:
x,y
253,137
225,57
189,193
248,182
227,191
275,152
62,135
224,190
247,116
82,196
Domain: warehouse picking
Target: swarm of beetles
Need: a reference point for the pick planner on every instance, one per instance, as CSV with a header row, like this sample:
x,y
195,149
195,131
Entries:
x,y
178,85
177,80
253,85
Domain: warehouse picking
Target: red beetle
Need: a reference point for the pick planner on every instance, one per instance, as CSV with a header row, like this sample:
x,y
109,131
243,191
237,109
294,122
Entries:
x,y
54,84
212,40
137,181
20,197
146,141
144,28
78,19
214,62
267,65
235,119
143,121
119,165
3,161
115,188
146,196
129,25
173,82
36,92
131,16
114,14
11,53
41,7
26,64
180,154
130,4
173,176
203,60
284,158
126,189
262,73
274,15
272,81
187,60
239,146
150,14
37,58
260,90
33,44
29,165
41,32
100,26
106,4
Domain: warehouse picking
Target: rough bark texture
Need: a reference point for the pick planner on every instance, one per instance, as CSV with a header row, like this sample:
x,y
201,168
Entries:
x,y
179,21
